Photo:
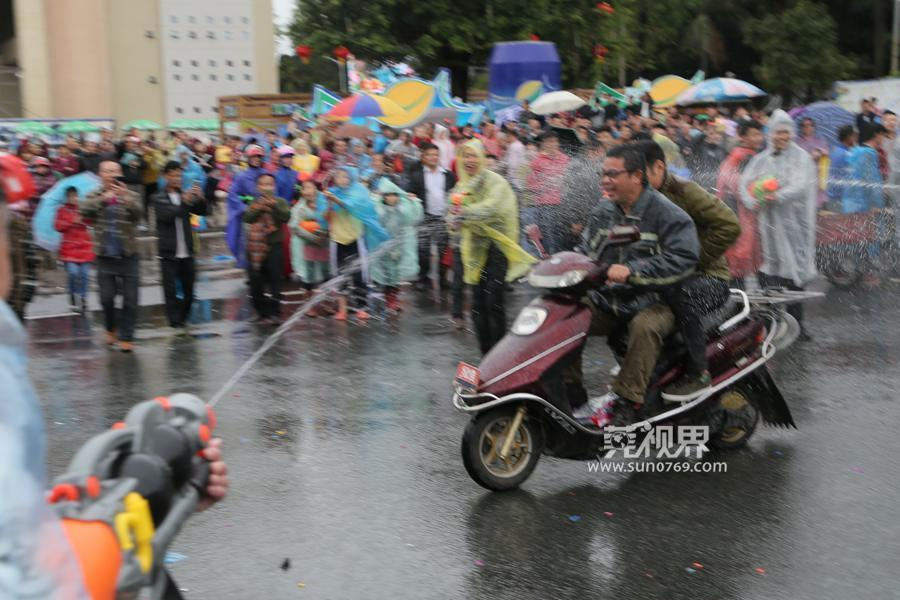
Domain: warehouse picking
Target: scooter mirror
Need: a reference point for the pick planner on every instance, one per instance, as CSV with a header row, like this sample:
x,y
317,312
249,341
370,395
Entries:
x,y
623,234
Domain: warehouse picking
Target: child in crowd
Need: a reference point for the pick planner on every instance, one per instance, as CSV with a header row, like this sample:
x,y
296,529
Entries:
x,y
399,214
309,237
76,250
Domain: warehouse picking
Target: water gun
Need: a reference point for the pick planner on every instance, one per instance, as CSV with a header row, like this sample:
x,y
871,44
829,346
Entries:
x,y
128,492
764,189
247,199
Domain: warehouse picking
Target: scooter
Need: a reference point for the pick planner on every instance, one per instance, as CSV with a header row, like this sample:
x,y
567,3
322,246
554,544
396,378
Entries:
x,y
517,399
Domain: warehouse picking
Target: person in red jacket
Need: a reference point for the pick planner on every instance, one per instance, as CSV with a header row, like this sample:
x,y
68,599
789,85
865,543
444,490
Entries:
x,y
76,250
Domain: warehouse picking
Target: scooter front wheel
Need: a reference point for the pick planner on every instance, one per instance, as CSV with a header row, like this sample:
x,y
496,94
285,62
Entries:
x,y
483,444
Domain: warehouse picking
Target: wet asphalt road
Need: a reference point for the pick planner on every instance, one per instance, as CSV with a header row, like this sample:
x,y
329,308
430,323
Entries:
x,y
343,449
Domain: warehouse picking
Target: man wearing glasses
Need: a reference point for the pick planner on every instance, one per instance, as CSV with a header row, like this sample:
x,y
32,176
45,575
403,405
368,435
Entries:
x,y
667,252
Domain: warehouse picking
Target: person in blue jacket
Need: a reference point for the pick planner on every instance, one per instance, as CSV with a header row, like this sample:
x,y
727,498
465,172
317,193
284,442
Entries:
x,y
242,187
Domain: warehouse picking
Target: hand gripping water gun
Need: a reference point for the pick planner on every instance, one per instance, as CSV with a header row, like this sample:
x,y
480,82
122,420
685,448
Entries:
x,y
764,188
129,490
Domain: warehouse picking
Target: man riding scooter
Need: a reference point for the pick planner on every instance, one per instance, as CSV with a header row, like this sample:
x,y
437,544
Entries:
x,y
667,252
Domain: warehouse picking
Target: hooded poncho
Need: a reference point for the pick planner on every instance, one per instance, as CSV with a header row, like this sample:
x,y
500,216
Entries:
x,y
490,214
787,224
358,204
400,261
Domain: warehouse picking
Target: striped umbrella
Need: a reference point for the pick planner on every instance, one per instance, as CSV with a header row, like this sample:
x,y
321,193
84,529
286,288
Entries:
x,y
364,105
718,91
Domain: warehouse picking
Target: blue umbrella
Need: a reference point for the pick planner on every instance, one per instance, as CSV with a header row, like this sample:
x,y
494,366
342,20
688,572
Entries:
x,y
45,234
828,117
719,90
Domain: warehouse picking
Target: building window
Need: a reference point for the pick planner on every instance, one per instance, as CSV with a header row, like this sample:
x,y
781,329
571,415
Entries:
x,y
229,35
210,35
179,110
245,20
214,110
246,63
176,63
173,19
197,109
193,35
247,77
176,77
195,77
227,20
210,20
229,77
173,35
245,34
229,63
212,63
213,78
192,19
193,63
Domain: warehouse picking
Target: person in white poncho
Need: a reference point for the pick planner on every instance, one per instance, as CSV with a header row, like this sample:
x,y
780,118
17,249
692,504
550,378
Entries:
x,y
780,184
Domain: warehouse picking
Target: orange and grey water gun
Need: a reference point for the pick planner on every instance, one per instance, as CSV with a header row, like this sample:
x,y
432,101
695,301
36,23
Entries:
x,y
128,492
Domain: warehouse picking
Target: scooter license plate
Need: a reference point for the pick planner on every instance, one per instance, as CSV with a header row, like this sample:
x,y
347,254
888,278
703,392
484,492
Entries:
x,y
467,378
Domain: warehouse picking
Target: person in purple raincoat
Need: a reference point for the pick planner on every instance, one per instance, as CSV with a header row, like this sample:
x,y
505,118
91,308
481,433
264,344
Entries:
x,y
243,185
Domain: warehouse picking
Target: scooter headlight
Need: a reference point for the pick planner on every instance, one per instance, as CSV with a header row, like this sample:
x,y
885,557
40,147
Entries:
x,y
529,320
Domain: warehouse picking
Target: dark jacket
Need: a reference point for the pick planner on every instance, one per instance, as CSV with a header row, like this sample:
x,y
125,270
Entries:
x,y
667,252
167,214
415,183
128,213
281,214
717,225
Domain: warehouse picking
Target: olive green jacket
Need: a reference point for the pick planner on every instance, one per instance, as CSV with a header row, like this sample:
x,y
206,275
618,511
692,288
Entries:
x,y
129,211
717,225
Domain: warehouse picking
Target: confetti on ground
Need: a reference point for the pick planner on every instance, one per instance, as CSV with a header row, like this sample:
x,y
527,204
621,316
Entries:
x,y
608,514
697,565
574,518
690,570
479,562
173,557
286,564
760,570
857,470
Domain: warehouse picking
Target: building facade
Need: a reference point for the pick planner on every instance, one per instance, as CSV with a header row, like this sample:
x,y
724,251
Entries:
x,y
161,60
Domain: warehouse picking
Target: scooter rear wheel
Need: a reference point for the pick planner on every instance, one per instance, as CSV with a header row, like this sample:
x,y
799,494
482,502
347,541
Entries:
x,y
481,444
733,420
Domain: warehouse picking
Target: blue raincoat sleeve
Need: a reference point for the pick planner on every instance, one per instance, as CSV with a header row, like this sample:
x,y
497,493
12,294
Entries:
x,y
358,203
36,561
244,184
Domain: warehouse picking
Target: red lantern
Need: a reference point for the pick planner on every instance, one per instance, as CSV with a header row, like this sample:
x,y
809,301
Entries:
x,y
341,53
600,52
534,37
304,52
605,7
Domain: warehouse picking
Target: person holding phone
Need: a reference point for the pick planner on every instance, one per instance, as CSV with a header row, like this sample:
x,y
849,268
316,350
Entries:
x,y
174,206
115,212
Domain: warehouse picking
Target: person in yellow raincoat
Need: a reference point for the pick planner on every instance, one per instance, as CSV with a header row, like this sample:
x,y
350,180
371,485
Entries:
x,y
484,214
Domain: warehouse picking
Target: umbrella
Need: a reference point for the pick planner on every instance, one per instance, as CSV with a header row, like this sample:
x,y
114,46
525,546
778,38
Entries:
x,y
34,127
719,90
42,226
556,102
143,125
828,117
77,127
364,105
195,124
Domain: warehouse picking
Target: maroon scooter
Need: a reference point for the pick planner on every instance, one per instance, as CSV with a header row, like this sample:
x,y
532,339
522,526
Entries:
x,y
519,405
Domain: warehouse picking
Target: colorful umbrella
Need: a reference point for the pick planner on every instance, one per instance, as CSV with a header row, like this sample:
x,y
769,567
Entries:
x,y
34,127
364,105
719,90
143,125
77,127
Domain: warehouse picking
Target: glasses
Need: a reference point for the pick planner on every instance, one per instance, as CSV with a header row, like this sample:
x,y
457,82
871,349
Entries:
x,y
613,173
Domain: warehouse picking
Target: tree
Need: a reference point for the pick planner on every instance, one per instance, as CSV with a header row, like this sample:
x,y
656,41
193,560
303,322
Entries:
x,y
798,51
705,41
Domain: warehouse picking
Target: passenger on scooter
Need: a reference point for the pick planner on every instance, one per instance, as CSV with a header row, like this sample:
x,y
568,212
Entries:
x,y
667,252
706,290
